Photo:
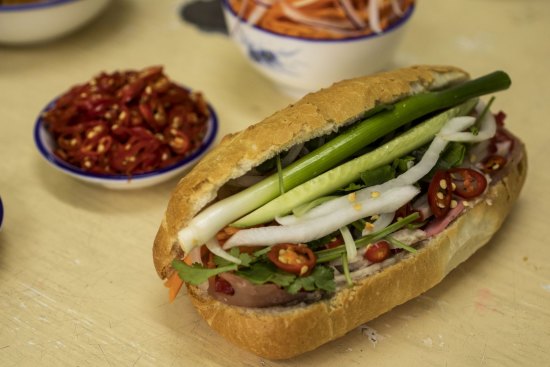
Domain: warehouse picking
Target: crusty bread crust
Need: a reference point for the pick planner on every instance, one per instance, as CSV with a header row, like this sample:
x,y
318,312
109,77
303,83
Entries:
x,y
284,332
314,115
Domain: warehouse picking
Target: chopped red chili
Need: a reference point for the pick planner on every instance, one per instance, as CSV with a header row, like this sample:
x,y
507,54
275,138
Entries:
x,y
440,193
127,122
468,183
295,259
377,252
335,242
493,163
407,210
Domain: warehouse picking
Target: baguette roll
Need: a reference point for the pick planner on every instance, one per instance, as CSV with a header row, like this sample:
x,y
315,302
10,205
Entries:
x,y
266,331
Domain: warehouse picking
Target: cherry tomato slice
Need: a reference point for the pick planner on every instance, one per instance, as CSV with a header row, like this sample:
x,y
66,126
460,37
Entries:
x,y
493,163
440,193
469,183
378,251
292,258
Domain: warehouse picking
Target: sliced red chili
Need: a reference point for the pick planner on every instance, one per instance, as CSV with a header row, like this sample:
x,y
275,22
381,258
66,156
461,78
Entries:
x,y
440,193
97,146
292,258
179,142
378,251
135,109
468,183
493,163
69,142
407,210
335,242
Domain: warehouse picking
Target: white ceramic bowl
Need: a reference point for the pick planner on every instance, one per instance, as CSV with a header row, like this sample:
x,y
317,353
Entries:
x,y
45,20
300,65
45,144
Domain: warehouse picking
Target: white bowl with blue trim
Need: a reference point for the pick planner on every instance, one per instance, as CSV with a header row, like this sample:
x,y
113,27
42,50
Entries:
x,y
45,20
299,65
46,146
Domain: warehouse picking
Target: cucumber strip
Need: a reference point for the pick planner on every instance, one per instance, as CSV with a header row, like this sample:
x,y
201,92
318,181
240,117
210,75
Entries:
x,y
346,173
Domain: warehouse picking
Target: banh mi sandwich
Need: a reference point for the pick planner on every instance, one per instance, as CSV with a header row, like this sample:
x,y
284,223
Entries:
x,y
341,206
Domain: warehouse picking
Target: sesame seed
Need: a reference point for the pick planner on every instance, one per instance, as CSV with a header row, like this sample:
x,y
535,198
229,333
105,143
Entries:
x,y
352,197
304,270
375,194
357,207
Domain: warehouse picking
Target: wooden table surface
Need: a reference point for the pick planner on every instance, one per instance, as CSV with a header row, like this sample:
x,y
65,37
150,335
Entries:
x,y
77,283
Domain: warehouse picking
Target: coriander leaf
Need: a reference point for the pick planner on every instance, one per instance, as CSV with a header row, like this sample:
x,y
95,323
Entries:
x,y
452,156
378,175
351,187
260,273
305,283
322,278
197,274
245,258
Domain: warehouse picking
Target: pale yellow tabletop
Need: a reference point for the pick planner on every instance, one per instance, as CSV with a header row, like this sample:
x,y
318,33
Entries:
x,y
77,283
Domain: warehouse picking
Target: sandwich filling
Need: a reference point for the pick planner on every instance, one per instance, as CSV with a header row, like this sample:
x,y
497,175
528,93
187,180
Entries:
x,y
374,207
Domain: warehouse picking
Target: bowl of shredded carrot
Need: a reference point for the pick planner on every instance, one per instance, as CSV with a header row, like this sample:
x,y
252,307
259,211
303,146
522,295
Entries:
x,y
304,45
126,129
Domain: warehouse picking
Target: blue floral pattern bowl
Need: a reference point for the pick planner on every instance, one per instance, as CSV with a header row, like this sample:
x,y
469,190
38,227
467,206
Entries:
x,y
299,65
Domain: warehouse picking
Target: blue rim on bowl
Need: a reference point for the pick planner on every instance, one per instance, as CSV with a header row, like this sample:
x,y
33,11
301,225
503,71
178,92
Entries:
x,y
33,5
41,134
391,28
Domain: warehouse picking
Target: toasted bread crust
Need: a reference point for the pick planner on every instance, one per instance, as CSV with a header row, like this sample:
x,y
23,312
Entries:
x,y
314,115
267,331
